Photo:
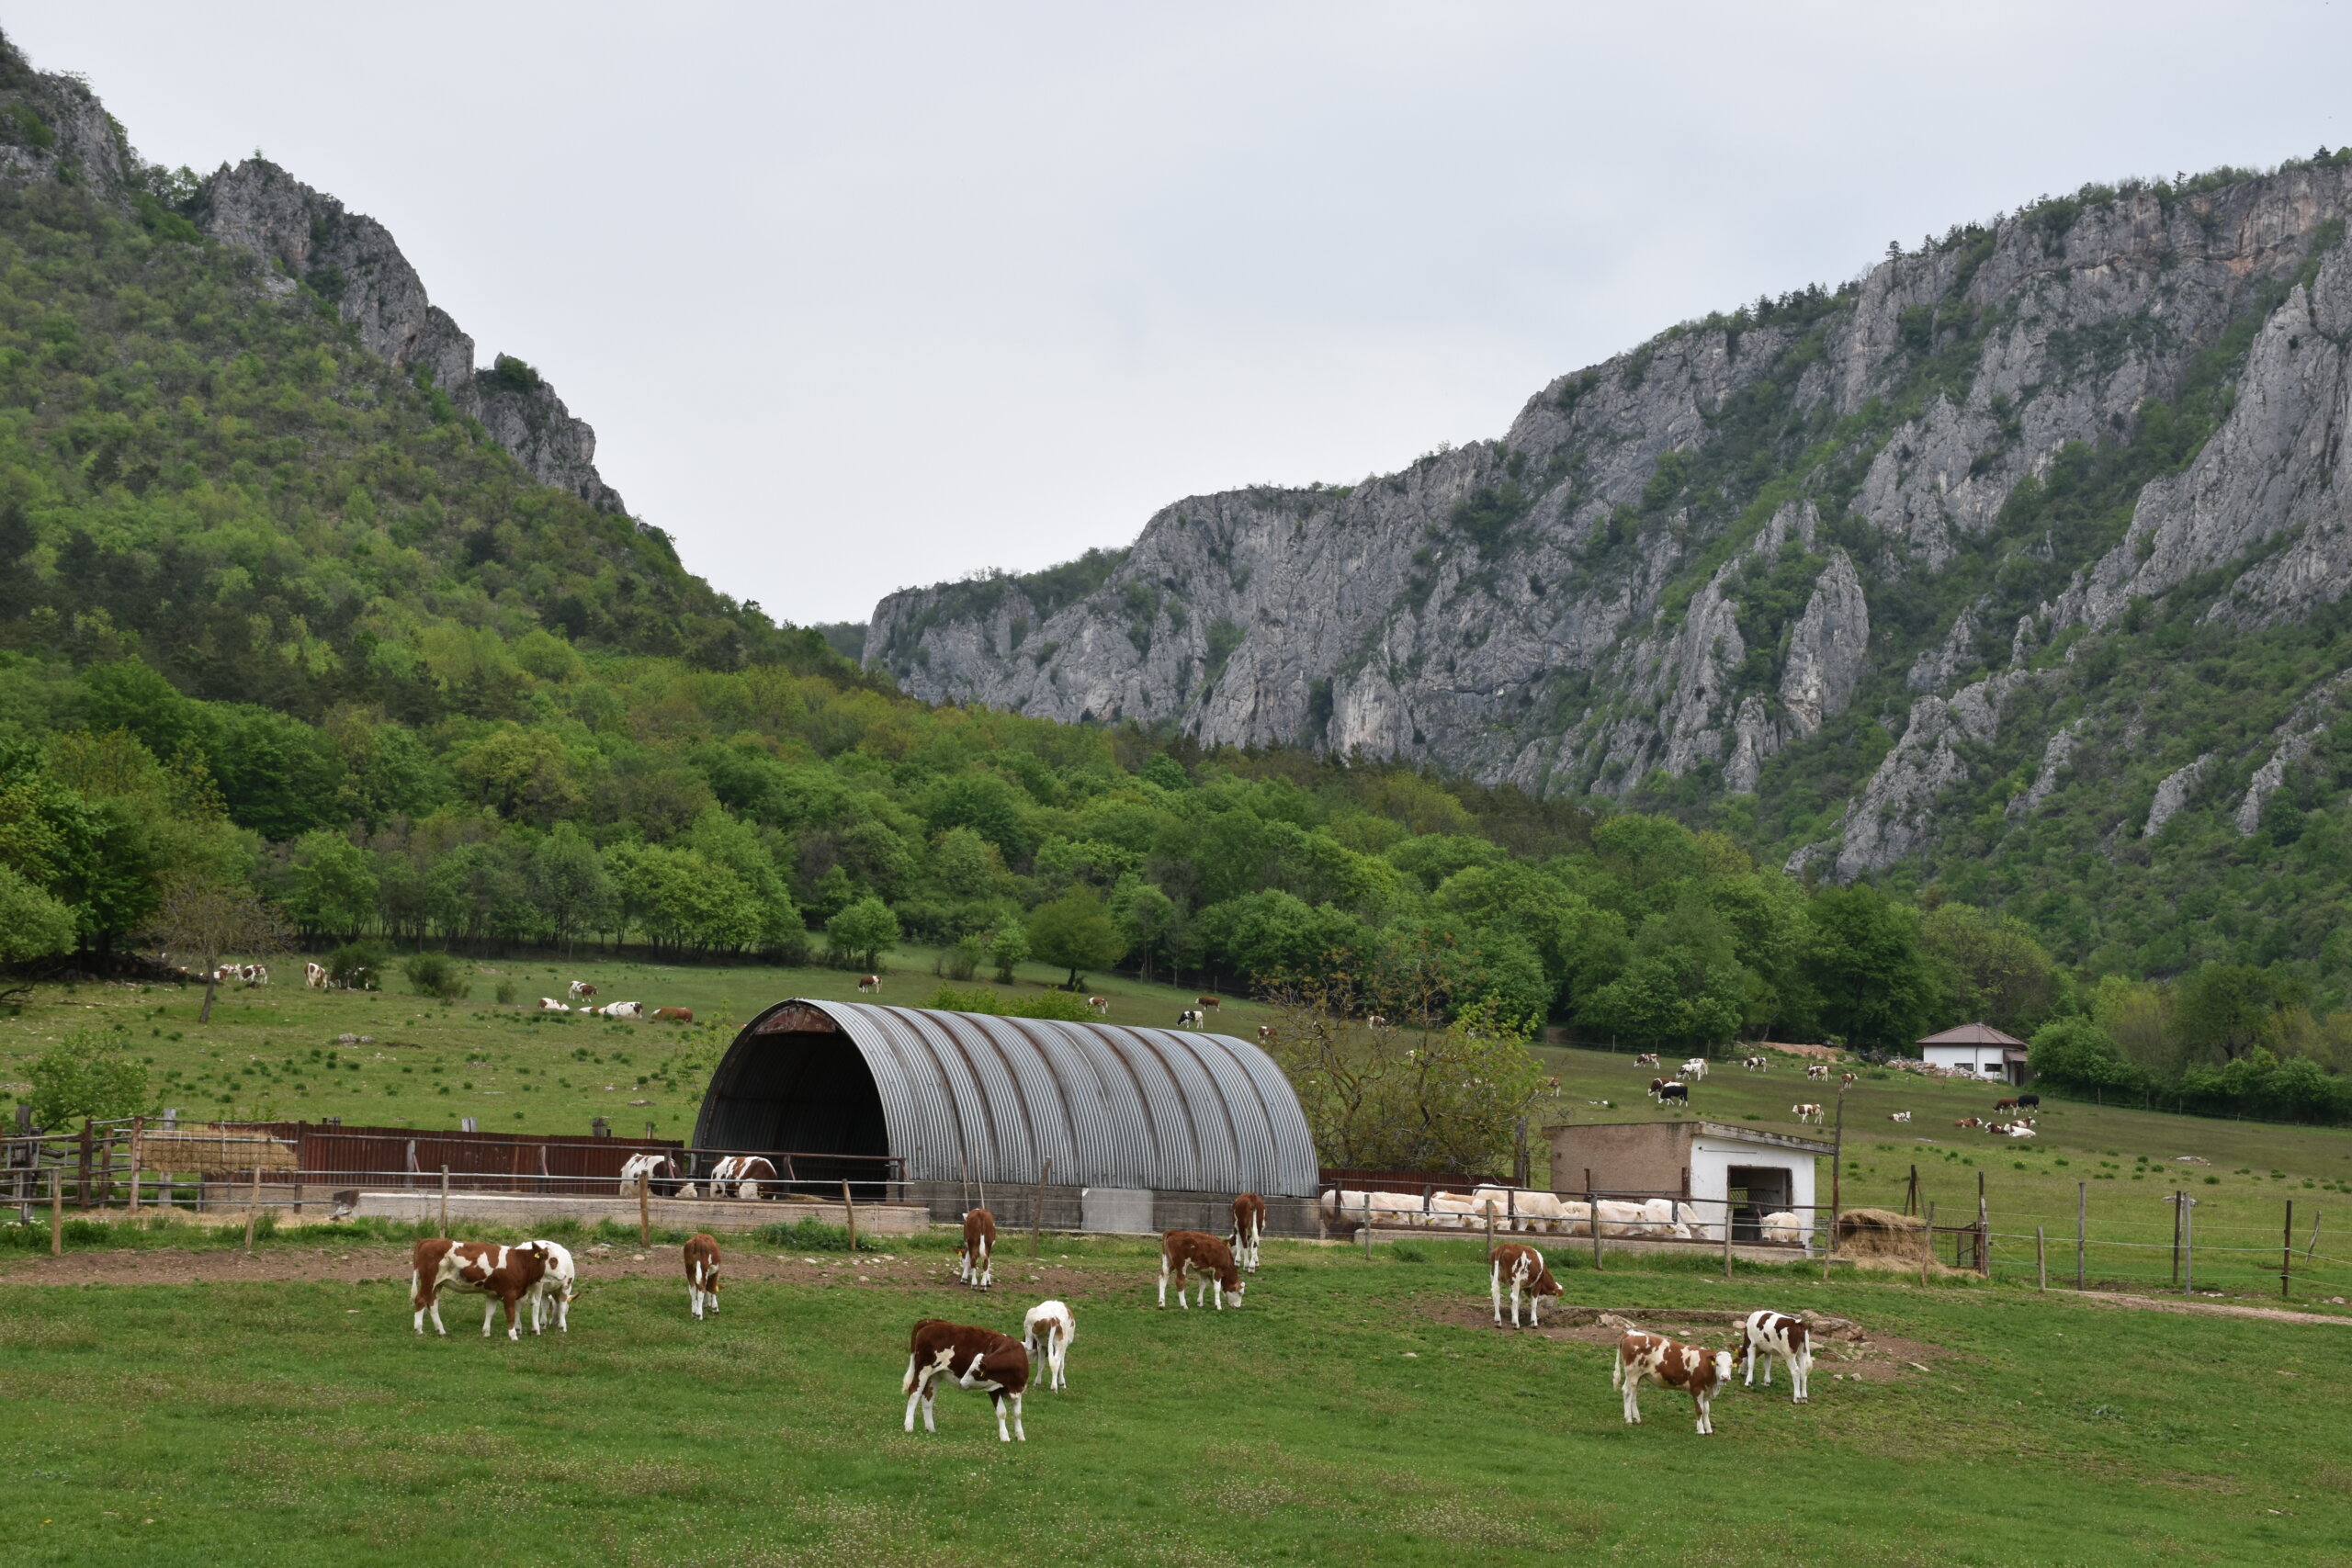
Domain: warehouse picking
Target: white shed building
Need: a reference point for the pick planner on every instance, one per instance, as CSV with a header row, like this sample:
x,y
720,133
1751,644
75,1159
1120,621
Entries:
x,y
1705,1164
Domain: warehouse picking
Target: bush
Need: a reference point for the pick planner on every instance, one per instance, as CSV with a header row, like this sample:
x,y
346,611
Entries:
x,y
961,961
862,932
1064,1005
356,966
808,1235
1011,946
507,993
86,1075
438,974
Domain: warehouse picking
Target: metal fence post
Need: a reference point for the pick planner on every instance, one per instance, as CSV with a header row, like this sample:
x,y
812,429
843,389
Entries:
x,y
2287,1251
137,1124
1592,1217
445,1201
1037,1214
1726,1236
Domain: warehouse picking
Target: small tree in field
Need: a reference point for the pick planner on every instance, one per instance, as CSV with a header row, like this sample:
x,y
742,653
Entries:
x,y
1075,932
206,920
864,932
86,1075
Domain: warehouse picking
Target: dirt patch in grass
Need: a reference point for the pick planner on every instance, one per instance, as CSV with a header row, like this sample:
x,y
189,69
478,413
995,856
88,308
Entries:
x,y
2212,1309
1873,1358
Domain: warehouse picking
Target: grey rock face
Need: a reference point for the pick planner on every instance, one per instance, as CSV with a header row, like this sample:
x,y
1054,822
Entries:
x,y
82,144
2172,793
354,261
1564,609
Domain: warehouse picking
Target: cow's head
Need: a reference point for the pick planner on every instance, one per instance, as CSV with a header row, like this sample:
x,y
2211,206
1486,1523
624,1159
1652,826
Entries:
x,y
1233,1291
1723,1368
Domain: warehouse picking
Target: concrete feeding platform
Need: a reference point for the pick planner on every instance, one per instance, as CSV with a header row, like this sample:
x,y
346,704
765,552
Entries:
x,y
523,1211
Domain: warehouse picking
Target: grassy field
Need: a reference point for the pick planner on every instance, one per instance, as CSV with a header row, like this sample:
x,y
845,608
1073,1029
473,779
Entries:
x,y
1352,1412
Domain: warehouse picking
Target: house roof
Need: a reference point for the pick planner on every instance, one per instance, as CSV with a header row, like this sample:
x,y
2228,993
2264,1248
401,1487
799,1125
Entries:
x,y
1974,1034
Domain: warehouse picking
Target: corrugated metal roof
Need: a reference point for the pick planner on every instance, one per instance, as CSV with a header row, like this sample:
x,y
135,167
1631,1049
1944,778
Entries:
x,y
1972,1034
1168,1109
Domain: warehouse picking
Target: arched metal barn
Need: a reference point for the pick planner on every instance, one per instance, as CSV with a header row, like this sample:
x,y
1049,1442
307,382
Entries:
x,y
960,1100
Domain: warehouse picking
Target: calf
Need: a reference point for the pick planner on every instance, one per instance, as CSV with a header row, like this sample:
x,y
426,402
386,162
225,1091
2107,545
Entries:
x,y
1777,1334
872,983
702,1273
549,1004
674,1015
581,989
505,1274
972,1264
746,1171
1783,1227
2001,1105
1197,1252
1190,1018
1248,1227
1521,1268
1099,1006
1848,1080
1046,1330
1815,1070
1808,1111
1669,1364
551,1297
1647,1059
1898,1116
968,1358
1970,1122
314,977
658,1171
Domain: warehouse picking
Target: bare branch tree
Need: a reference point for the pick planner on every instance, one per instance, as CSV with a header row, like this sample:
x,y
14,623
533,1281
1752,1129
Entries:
x,y
206,919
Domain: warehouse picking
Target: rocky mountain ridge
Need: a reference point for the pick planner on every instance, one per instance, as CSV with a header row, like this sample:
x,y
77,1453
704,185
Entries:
x,y
52,127
1836,555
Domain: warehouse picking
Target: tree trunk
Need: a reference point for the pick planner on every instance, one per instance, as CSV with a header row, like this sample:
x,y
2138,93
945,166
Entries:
x,y
211,979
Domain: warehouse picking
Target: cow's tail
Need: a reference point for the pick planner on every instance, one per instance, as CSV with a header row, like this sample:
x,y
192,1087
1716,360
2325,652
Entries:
x,y
907,1384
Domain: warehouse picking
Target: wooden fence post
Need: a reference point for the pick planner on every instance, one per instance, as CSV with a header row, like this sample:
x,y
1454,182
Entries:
x,y
1984,1231
252,1208
1037,1213
849,1217
1593,1217
82,1172
445,1202
2082,1216
644,1208
2040,1260
137,1124
57,1210
1726,1234
2317,1215
1489,1206
2189,1245
1367,1224
2287,1251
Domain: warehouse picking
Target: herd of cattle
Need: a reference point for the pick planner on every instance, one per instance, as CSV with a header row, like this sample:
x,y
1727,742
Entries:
x,y
539,1278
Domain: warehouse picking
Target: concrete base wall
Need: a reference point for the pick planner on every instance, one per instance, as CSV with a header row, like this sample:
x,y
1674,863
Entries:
x,y
1067,1209
669,1214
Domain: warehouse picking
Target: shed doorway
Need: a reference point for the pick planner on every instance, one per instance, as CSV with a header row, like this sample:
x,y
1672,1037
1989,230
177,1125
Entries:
x,y
1754,1191
800,1092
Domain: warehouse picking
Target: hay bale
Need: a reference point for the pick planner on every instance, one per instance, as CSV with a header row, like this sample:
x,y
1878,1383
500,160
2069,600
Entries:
x,y
213,1149
1882,1232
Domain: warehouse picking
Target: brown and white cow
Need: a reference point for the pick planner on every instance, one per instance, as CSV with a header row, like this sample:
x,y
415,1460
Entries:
x,y
872,983
1376,1023
581,989
974,1264
549,1004
1757,1063
1848,1080
2001,1105
1898,1116
1970,1122
744,1172
1248,1228
968,1358
1816,1070
505,1274
1211,1003
1520,1267
1187,1253
1099,1006
314,977
1808,1111
659,1171
1647,1059
702,1272
674,1015
1670,1364
1046,1330
1779,1334
1265,1034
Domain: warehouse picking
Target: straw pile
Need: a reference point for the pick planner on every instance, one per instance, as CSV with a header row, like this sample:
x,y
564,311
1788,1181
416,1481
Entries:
x,y
213,1150
1882,1232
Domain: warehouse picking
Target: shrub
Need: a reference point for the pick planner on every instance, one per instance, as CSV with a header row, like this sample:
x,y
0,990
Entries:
x,y
962,960
862,932
808,1235
1009,947
356,966
437,975
1064,1005
86,1075
507,993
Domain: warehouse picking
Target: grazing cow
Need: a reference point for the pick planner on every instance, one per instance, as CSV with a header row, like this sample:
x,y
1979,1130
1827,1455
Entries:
x,y
505,1274
2001,1105
1898,1116
1815,1070
1046,1330
1779,1335
2028,1102
1674,1094
622,1010
1520,1267
581,989
674,1015
1783,1227
549,1004
551,1297
1669,1364
1694,1070
746,1171
1808,1111
1099,1006
968,1358
1757,1063
973,1263
1848,1080
1248,1228
1376,1023
659,1170
1197,1252
1209,1003
871,983
1265,1034
702,1273
1191,1019
314,977
1647,1059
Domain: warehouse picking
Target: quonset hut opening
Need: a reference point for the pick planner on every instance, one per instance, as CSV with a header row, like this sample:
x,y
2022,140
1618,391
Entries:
x,y
1174,1119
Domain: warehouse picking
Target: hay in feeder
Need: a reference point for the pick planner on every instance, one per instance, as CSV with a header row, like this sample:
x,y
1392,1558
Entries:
x,y
1882,1232
213,1150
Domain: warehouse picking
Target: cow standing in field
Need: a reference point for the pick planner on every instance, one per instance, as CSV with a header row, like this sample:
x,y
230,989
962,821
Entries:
x,y
1668,1091
551,1297
658,1171
1183,1253
973,1265
1669,1364
968,1358
1808,1111
1248,1227
1099,1006
1757,1063
1265,1034
745,1171
871,985
1848,1080
1046,1330
314,977
505,1274
1207,1004
1190,1018
2000,1105
1815,1070
1694,1070
1647,1059
702,1273
2028,1102
579,991
1520,1267
1777,1334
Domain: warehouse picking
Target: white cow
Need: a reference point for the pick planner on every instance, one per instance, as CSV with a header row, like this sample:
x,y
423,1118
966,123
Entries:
x,y
551,1297
549,1004
1784,1228
1046,1330
1694,1070
1652,1218
314,977
581,989
1777,1334
621,1009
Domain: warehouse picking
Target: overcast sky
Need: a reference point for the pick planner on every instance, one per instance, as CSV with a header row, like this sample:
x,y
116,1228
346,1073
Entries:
x,y
859,296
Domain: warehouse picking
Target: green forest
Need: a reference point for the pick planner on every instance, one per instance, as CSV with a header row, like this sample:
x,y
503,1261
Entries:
x,y
293,657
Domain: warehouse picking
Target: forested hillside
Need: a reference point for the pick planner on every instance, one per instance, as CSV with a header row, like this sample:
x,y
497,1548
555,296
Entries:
x,y
285,633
